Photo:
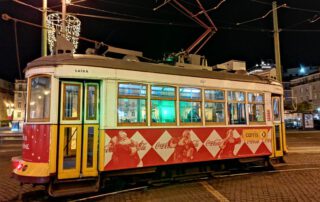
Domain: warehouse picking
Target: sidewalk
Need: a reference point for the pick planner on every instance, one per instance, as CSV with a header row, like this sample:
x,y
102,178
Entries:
x,y
8,131
302,131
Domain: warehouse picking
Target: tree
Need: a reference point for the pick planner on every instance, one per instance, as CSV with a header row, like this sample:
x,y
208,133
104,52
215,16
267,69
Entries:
x,y
304,106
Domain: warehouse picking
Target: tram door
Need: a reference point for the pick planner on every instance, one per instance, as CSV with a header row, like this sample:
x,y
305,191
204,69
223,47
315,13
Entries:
x,y
277,125
78,129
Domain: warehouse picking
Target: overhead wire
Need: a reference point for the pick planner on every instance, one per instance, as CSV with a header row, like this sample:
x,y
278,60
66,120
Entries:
x,y
211,9
261,2
28,5
105,11
131,20
172,23
17,48
262,17
114,18
123,4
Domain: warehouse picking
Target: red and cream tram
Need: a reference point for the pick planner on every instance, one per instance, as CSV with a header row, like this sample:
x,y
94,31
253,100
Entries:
x,y
90,115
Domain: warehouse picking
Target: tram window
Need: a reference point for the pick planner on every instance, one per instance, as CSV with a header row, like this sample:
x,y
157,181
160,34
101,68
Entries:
x,y
92,102
39,98
190,105
163,104
130,89
256,107
236,107
132,102
214,106
276,109
71,102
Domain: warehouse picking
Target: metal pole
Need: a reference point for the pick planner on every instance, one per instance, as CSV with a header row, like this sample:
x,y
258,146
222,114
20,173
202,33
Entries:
x,y
276,41
64,11
44,30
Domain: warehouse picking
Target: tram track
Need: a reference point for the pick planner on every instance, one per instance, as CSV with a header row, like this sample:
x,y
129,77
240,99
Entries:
x,y
258,170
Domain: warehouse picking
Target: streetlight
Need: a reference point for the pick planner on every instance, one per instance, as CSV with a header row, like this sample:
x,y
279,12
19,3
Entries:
x,y
10,109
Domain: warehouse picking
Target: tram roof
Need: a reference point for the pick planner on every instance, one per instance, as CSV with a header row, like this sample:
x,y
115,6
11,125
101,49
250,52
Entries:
x,y
114,63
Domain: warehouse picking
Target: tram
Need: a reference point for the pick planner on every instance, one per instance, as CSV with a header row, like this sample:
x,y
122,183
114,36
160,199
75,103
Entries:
x,y
90,117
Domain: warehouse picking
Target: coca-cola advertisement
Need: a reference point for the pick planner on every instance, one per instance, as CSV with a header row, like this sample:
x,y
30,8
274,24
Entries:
x,y
184,149
227,145
124,151
133,148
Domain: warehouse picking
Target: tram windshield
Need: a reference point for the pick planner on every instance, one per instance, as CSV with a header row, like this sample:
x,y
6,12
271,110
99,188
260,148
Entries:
x,y
39,98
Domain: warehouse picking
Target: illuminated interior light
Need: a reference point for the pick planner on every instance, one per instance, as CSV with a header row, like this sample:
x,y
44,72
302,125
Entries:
x,y
46,92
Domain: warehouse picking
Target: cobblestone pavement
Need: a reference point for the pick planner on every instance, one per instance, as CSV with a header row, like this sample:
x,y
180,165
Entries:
x,y
9,187
298,180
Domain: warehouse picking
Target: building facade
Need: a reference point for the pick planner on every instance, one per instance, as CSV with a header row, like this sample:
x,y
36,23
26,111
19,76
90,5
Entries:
x,y
293,73
6,102
20,98
307,89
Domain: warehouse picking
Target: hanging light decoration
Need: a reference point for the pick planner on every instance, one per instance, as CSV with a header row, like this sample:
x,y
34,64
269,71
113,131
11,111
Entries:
x,y
72,29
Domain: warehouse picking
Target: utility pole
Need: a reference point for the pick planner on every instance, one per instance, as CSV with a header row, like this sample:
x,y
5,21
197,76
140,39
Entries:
x,y
276,41
44,28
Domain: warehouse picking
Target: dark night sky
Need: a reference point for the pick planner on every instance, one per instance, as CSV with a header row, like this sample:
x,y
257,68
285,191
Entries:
x,y
299,39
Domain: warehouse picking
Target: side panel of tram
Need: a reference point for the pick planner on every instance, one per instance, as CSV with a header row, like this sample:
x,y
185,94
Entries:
x,y
77,133
134,148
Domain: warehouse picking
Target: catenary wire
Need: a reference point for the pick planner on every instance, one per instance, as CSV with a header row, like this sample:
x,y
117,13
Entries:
x,y
262,17
105,11
211,9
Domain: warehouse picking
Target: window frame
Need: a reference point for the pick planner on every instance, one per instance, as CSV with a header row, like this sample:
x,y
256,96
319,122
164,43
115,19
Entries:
x,y
133,97
96,106
29,119
167,99
200,100
215,101
234,101
78,118
254,102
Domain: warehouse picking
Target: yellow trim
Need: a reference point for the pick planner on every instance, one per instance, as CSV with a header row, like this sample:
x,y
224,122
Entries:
x,y
32,169
284,138
90,171
101,150
69,173
277,153
53,149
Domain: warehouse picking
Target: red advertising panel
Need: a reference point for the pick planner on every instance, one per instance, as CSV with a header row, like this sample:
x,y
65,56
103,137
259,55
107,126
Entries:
x,y
134,148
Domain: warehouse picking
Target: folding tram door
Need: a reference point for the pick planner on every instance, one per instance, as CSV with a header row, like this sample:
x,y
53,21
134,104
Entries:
x,y
277,137
78,129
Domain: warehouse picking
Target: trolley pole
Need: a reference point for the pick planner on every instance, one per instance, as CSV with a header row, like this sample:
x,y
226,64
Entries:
x,y
276,41
44,30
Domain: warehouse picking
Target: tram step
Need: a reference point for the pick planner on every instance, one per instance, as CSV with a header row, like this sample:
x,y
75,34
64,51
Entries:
x,y
73,187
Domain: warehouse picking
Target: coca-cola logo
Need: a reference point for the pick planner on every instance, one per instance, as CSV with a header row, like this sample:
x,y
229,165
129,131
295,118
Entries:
x,y
142,145
213,143
162,145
